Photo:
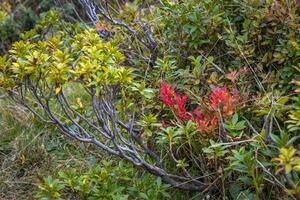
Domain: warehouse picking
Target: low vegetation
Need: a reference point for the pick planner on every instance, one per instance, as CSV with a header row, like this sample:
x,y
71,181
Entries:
x,y
194,99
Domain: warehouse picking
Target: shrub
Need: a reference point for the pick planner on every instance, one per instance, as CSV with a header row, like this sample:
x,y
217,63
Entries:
x,y
104,181
218,105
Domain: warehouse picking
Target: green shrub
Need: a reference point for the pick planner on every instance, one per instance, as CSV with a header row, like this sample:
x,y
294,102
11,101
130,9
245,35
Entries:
x,y
104,181
218,107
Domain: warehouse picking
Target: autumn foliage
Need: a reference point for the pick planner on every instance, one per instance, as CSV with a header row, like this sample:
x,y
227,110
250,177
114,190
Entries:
x,y
220,104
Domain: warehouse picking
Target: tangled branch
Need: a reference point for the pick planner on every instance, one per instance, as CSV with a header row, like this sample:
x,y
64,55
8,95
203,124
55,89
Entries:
x,y
100,8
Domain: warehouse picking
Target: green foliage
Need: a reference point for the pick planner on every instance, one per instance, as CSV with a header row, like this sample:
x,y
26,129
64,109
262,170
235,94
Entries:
x,y
50,189
194,22
235,127
52,62
215,151
244,162
18,18
283,140
148,122
288,159
104,181
250,47
10,29
230,34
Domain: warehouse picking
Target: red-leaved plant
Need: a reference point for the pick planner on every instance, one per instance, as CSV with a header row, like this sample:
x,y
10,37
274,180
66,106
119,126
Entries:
x,y
221,103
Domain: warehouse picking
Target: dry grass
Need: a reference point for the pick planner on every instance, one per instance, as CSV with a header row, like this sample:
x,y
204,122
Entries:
x,y
30,151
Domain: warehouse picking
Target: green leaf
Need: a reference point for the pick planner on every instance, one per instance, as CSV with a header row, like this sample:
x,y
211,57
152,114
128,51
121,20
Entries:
x,y
234,190
240,125
292,140
143,195
158,181
275,139
234,118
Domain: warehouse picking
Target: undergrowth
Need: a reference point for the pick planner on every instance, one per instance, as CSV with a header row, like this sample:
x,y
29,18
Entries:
x,y
204,94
